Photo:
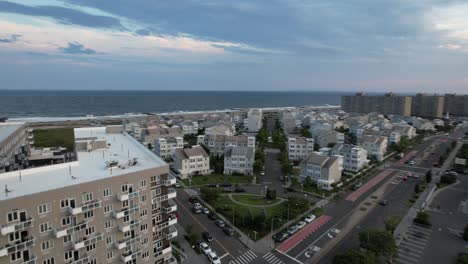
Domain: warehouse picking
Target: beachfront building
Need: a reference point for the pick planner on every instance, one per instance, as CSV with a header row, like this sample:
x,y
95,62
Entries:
x,y
189,127
191,161
321,169
388,104
152,133
239,160
300,148
254,120
220,130
217,144
327,137
15,138
354,157
376,146
165,147
114,204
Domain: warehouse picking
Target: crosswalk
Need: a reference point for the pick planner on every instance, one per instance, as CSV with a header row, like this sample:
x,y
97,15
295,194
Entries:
x,y
272,258
246,257
412,247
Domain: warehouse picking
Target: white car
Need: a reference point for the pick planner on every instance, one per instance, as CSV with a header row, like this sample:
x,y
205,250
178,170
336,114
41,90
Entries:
x,y
205,210
197,206
309,218
205,248
301,224
292,230
214,259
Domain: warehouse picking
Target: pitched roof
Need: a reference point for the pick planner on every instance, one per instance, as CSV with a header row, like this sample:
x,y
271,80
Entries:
x,y
248,152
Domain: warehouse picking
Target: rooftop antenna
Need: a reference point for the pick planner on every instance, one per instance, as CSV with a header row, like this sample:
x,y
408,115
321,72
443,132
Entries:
x,y
6,190
20,175
128,153
111,170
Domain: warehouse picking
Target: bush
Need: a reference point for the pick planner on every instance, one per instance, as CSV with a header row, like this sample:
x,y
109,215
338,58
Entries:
x,y
422,218
448,179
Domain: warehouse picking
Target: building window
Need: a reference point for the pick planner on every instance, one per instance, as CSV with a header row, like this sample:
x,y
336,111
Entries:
x,y
145,255
109,240
49,261
144,228
107,192
144,241
159,244
66,220
44,227
107,208
44,208
88,214
110,255
87,197
143,198
47,245
91,247
89,230
68,255
108,224
67,203
67,238
14,237
143,212
12,216
15,256
143,183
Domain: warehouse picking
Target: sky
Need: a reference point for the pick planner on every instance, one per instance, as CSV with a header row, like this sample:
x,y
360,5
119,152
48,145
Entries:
x,y
275,45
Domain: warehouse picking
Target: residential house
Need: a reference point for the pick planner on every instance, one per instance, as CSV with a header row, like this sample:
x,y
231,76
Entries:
x,y
254,120
217,144
191,161
321,169
220,130
300,148
189,127
239,160
165,147
327,137
376,146
354,157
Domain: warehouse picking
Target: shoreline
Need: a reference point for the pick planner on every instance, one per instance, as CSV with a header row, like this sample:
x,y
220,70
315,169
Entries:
x,y
136,115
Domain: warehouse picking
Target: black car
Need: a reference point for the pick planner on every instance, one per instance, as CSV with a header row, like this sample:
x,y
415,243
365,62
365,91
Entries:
x,y
226,184
212,216
227,189
383,202
280,237
212,185
207,236
239,190
228,230
194,200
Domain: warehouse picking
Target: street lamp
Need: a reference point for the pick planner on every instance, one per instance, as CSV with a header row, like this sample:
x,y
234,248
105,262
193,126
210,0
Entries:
x,y
302,185
271,232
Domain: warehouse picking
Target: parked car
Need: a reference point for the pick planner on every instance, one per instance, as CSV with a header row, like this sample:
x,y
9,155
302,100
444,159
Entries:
x,y
212,185
357,186
228,230
177,185
309,218
239,190
220,223
214,259
227,189
280,237
226,184
301,224
197,205
194,200
262,173
412,162
207,236
205,210
212,216
383,202
204,248
196,210
292,230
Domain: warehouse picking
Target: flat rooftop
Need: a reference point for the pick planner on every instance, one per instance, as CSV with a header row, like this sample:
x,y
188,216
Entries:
x,y
6,129
90,166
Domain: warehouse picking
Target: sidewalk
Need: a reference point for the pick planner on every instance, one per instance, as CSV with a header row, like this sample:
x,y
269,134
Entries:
x,y
188,253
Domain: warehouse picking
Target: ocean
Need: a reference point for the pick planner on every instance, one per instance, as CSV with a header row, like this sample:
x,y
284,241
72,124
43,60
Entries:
x,y
22,103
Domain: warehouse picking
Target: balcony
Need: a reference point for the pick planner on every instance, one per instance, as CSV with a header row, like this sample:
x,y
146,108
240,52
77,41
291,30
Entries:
x,y
125,211
172,220
128,256
85,208
156,184
127,196
171,232
32,260
82,260
171,194
166,250
70,230
18,246
127,241
18,226
170,207
171,180
86,242
125,227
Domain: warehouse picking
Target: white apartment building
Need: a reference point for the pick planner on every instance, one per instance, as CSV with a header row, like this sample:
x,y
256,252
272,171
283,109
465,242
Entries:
x,y
165,147
376,146
323,170
218,144
189,127
191,161
326,137
354,157
239,160
254,120
300,148
14,146
220,130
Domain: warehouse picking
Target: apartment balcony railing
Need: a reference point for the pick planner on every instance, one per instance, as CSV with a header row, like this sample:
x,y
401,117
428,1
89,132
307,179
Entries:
x,y
32,260
127,196
171,180
171,232
172,220
127,241
70,230
156,183
86,242
171,194
17,226
85,207
130,255
82,260
160,252
125,211
125,227
170,207
18,246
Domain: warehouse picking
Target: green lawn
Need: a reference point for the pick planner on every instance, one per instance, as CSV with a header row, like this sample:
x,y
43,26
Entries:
x,y
54,137
253,199
295,184
217,179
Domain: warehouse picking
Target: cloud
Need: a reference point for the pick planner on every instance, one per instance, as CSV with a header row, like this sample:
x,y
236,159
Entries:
x,y
77,48
11,39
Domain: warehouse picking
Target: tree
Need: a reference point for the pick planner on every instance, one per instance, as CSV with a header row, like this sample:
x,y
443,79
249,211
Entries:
x,y
354,257
428,176
257,166
305,133
271,194
380,242
465,233
392,222
417,189
210,195
422,218
307,181
316,147
462,258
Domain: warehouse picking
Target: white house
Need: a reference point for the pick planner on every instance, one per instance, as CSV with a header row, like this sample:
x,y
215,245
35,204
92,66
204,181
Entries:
x,y
254,120
189,127
300,148
191,161
376,146
354,157
218,144
165,147
321,169
325,137
221,130
239,160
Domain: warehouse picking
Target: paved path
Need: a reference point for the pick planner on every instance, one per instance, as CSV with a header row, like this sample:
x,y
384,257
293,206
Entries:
x,y
281,200
411,249
303,233
374,181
